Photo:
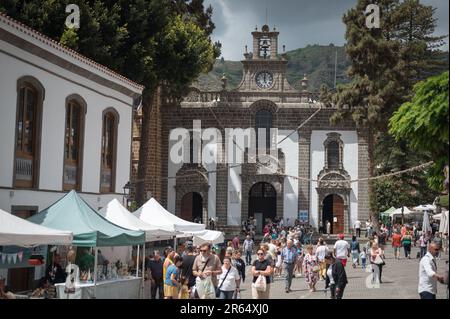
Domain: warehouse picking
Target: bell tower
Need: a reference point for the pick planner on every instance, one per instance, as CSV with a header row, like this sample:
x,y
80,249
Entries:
x,y
265,43
264,68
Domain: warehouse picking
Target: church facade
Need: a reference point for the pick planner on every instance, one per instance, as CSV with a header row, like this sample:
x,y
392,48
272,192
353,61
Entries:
x,y
313,166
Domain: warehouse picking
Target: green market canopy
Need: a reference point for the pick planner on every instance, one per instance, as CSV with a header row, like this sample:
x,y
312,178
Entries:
x,y
387,213
72,213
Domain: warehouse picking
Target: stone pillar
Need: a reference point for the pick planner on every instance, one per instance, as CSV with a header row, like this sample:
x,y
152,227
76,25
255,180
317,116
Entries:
x,y
304,197
154,162
255,45
221,194
274,45
363,172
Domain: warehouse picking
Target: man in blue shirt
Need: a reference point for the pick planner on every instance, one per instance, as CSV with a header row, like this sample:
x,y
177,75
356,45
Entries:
x,y
289,256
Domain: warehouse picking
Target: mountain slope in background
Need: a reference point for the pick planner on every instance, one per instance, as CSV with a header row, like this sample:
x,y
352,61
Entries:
x,y
316,61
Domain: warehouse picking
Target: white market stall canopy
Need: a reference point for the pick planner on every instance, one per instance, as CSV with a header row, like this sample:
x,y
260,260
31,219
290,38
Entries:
x,y
427,207
20,232
208,236
398,211
119,215
154,214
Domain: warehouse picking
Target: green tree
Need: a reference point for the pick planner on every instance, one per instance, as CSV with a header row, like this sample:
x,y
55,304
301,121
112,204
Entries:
x,y
385,64
423,122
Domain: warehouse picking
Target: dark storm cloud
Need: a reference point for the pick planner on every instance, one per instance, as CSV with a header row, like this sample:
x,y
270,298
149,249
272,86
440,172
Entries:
x,y
300,22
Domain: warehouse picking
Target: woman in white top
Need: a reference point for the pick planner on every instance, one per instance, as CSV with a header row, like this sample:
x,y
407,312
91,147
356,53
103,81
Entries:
x,y
229,280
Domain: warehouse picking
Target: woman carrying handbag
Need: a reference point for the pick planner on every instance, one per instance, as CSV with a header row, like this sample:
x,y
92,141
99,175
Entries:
x,y
228,281
377,261
261,270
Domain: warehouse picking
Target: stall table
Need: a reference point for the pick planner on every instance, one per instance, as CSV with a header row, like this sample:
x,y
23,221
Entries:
x,y
123,288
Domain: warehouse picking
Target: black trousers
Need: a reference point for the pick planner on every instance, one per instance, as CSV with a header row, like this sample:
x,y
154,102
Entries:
x,y
427,295
333,293
358,232
158,286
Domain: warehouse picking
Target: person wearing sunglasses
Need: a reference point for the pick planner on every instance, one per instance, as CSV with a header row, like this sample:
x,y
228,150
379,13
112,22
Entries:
x,y
207,264
428,276
261,266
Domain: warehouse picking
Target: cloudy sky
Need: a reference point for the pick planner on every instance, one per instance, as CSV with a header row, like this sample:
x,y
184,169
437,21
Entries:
x,y
300,22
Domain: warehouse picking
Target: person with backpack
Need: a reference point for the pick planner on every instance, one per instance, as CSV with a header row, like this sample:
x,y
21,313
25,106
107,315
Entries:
x,y
354,246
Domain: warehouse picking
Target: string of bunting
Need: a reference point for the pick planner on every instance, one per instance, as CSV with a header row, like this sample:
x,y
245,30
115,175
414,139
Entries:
x,y
412,169
415,168
11,258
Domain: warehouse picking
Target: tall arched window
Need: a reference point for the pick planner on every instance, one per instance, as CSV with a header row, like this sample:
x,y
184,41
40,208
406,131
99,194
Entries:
x,y
263,120
73,144
109,145
334,151
333,155
29,105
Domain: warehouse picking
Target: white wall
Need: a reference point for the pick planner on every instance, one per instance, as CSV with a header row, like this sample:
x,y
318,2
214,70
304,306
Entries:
x,y
350,162
212,180
57,87
8,102
234,185
173,168
290,149
42,199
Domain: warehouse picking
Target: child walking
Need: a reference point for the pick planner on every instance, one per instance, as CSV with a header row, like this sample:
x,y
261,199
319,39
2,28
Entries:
x,y
363,256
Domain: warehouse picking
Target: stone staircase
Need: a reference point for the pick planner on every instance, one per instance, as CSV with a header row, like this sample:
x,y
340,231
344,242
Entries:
x,y
230,231
331,239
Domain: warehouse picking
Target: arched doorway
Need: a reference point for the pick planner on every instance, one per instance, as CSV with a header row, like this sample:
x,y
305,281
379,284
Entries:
x,y
333,211
192,207
262,203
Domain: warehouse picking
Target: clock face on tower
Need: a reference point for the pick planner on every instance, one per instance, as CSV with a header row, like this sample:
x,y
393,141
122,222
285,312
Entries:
x,y
264,79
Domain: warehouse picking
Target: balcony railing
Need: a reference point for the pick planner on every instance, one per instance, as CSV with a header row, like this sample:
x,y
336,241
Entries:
x,y
24,169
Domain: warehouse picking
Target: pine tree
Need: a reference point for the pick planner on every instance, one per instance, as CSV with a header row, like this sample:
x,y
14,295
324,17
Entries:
x,y
385,64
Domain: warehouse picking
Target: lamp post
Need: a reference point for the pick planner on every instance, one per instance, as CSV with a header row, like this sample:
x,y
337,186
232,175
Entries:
x,y
126,193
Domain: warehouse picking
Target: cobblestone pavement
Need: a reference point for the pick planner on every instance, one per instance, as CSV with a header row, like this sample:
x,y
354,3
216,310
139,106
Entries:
x,y
400,280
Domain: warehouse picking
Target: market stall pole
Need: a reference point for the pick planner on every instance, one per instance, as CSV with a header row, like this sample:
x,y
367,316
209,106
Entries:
x,y
95,272
143,271
137,262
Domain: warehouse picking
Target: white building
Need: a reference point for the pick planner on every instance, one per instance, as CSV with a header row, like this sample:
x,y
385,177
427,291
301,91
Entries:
x,y
65,123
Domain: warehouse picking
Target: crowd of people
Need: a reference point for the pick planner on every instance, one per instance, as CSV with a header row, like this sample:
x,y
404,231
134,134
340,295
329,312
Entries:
x,y
285,252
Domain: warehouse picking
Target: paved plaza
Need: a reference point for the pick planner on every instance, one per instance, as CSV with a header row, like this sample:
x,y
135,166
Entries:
x,y
400,280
